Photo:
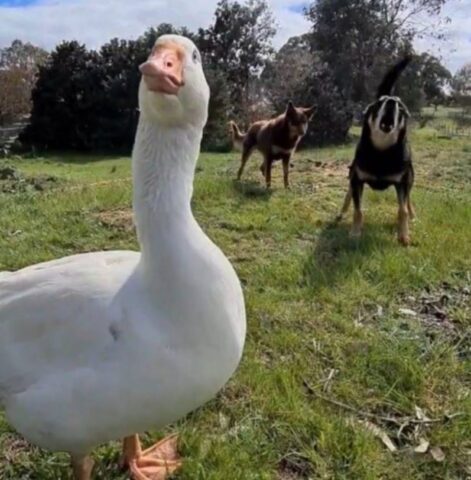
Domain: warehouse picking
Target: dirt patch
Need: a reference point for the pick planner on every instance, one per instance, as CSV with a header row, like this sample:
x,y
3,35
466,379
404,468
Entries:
x,y
283,475
13,181
441,308
8,173
294,467
327,168
121,219
444,312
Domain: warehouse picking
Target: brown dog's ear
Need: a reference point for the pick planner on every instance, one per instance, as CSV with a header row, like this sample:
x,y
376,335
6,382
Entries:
x,y
309,112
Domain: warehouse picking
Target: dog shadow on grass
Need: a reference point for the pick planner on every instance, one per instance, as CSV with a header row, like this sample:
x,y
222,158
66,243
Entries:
x,y
251,190
336,255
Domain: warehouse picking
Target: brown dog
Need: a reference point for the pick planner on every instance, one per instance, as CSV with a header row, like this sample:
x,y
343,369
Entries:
x,y
276,139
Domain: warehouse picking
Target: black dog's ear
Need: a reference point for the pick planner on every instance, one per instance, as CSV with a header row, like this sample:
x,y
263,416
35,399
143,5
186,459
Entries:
x,y
368,109
404,108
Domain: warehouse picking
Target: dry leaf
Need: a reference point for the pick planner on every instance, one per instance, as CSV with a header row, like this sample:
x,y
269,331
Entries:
x,y
223,421
437,454
422,447
379,433
420,414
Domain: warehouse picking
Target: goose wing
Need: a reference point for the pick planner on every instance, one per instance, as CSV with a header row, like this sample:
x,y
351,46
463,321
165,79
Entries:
x,y
56,315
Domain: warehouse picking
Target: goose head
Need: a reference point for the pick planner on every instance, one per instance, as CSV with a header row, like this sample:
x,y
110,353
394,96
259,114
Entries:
x,y
173,89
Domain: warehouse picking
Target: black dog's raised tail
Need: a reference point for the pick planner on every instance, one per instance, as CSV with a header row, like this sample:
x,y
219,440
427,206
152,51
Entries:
x,y
387,85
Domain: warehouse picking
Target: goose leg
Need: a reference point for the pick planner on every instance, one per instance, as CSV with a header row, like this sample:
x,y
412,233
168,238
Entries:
x,y
82,468
155,463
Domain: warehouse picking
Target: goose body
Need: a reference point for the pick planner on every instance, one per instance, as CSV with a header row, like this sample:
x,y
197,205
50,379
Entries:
x,y
100,346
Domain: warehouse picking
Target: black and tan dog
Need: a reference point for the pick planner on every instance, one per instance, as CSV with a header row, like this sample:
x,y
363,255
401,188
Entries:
x,y
276,139
383,157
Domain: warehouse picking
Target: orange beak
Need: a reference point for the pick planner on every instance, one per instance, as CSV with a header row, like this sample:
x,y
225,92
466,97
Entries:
x,y
163,71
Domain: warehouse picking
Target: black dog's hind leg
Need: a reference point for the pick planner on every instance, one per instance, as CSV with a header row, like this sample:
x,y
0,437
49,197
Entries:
x,y
356,188
410,208
409,184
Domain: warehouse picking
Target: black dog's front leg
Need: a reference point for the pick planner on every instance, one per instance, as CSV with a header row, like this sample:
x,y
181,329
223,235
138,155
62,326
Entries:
x,y
409,185
346,204
356,188
403,200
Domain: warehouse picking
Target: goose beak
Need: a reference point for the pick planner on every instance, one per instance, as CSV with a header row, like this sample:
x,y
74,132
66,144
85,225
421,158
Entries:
x,y
163,71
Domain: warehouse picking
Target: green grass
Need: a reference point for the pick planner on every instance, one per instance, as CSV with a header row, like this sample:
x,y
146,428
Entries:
x,y
323,311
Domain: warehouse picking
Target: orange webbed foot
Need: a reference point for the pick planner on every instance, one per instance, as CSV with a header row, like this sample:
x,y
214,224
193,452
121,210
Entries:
x,y
155,463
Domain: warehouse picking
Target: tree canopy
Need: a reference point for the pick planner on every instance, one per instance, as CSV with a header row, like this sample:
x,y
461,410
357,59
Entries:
x,y
461,84
360,39
86,99
19,65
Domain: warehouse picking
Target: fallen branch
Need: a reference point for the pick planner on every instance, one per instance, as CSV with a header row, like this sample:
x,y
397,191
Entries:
x,y
399,421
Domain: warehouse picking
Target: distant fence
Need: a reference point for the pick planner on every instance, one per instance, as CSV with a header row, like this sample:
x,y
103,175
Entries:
x,y
448,130
448,122
9,134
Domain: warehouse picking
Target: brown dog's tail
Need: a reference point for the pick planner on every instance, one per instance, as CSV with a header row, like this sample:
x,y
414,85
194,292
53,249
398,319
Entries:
x,y
237,136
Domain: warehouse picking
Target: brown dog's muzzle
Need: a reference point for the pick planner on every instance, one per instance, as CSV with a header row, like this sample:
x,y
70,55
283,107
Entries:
x,y
163,71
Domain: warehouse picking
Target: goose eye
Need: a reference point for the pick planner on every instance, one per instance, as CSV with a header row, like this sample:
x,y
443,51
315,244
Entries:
x,y
196,57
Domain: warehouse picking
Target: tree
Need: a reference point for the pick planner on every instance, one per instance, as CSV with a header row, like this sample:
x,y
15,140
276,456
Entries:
x,y
462,80
359,39
14,95
118,106
215,135
88,100
289,69
24,56
461,84
298,74
64,99
238,45
434,77
19,64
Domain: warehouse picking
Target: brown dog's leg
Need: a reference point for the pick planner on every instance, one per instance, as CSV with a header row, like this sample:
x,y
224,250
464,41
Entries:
x,y
268,164
402,216
346,204
286,161
356,188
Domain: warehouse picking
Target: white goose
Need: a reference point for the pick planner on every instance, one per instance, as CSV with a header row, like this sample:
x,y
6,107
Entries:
x,y
101,346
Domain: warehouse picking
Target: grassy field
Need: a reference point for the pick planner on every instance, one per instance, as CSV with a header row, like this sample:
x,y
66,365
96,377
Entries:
x,y
349,342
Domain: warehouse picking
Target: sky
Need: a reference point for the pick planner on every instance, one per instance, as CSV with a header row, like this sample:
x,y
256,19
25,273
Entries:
x,y
94,22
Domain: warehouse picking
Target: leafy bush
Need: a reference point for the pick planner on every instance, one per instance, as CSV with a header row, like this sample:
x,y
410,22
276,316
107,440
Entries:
x,y
215,136
298,75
